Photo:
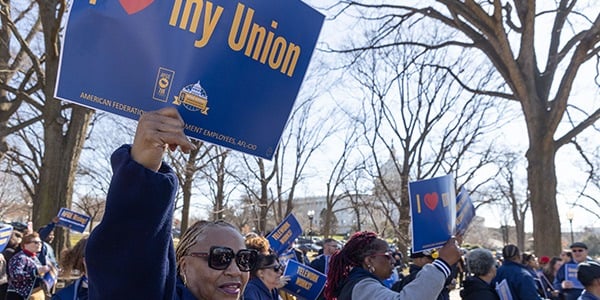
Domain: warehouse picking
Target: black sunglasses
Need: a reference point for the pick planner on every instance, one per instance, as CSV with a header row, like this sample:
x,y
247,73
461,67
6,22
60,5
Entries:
x,y
276,268
219,258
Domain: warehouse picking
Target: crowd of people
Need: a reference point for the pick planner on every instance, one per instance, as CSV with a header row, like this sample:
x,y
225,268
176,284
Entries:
x,y
213,260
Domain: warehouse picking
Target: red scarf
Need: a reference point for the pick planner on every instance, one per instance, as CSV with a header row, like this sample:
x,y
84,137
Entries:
x,y
29,253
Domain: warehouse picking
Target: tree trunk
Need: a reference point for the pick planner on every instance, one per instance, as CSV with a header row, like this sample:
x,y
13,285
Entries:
x,y
541,179
62,148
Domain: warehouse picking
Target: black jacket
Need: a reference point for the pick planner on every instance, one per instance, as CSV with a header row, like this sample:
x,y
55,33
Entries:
x,y
477,289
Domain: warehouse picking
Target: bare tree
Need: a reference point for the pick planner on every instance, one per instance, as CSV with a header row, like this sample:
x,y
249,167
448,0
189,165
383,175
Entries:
x,y
537,51
63,126
302,138
187,168
417,123
92,206
508,191
255,178
339,185
19,64
13,201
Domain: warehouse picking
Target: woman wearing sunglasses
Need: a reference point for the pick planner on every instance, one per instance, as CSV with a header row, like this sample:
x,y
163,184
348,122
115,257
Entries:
x,y
130,254
25,271
356,272
265,279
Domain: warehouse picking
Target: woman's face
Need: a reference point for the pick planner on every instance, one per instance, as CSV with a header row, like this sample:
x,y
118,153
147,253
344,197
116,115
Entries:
x,y
533,262
383,262
270,275
34,245
206,283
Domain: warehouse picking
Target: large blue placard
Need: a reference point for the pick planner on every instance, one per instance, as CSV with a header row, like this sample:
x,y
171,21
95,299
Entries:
x,y
433,212
282,237
5,234
232,68
305,282
465,211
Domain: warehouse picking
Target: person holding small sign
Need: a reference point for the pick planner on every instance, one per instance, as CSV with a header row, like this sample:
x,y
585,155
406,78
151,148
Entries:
x,y
25,271
130,254
568,287
357,270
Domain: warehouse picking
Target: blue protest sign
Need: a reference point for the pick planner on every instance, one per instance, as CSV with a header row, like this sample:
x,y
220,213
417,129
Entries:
x,y
232,69
5,233
571,275
73,220
282,237
305,282
49,278
465,211
433,212
287,255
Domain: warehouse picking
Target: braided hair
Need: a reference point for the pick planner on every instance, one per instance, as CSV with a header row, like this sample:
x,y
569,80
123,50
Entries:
x,y
190,237
359,246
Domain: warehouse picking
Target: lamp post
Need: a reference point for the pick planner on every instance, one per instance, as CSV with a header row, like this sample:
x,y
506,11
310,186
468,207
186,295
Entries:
x,y
570,216
311,214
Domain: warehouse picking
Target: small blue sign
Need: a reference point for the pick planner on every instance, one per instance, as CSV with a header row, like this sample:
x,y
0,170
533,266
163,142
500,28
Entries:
x,y
73,220
571,275
232,69
49,278
305,282
433,212
503,290
465,211
5,234
282,237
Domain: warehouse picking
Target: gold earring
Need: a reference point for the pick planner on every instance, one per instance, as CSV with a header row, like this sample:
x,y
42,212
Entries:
x,y
184,279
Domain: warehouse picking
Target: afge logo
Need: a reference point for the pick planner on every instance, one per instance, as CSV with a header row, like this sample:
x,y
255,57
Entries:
x,y
162,86
131,6
194,98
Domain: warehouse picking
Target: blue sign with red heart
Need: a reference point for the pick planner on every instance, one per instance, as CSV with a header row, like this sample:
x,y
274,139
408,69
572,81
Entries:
x,y
433,212
232,69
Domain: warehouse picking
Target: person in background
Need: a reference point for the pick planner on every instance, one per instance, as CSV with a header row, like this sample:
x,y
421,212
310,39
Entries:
x,y
519,279
3,276
25,271
530,261
47,256
566,287
418,260
543,261
13,245
321,262
356,271
74,260
566,255
588,273
264,279
211,260
548,275
481,264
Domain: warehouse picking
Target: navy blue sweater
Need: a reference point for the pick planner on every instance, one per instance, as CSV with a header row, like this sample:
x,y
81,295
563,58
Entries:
x,y
130,254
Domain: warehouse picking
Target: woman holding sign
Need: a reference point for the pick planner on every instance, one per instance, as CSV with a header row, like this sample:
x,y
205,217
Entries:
x,y
130,254
356,272
25,271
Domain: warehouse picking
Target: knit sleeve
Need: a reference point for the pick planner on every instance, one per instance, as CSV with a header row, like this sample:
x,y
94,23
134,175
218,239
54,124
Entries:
x,y
130,253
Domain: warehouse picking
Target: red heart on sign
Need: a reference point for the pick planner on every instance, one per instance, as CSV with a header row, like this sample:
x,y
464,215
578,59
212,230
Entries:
x,y
431,200
134,6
